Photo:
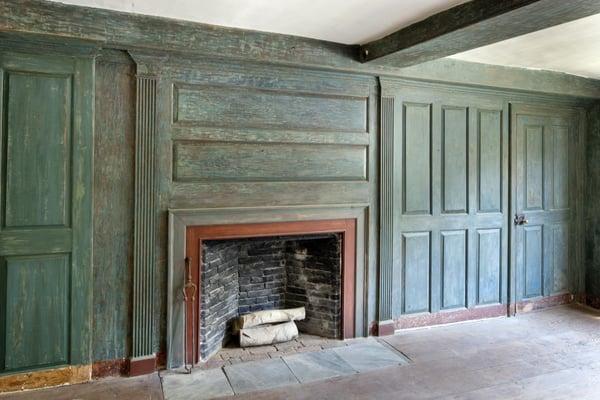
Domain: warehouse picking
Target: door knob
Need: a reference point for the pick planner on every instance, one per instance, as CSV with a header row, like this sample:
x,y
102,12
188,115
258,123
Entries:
x,y
520,219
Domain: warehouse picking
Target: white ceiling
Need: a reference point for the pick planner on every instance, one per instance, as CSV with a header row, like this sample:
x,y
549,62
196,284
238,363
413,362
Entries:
x,y
572,48
342,21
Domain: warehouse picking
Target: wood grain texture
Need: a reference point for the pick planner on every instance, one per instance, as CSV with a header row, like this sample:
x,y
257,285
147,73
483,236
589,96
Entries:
x,y
46,179
547,258
59,22
592,207
442,257
223,162
45,378
472,24
114,144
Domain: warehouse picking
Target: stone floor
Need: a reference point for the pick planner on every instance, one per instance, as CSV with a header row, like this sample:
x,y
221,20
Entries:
x,y
552,354
281,369
304,343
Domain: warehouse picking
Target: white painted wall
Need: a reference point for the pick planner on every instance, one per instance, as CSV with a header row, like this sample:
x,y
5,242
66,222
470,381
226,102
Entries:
x,y
343,21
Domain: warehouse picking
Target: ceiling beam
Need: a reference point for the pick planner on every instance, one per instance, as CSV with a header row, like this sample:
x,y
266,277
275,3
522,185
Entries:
x,y
470,25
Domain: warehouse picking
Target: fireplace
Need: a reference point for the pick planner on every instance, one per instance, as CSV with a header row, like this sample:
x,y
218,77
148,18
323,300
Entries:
x,y
239,268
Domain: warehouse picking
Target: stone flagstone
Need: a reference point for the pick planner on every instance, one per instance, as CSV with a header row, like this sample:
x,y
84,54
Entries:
x,y
259,375
199,385
308,367
369,355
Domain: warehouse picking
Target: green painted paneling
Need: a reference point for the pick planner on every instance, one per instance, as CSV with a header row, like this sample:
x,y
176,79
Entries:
x,y
201,161
560,258
256,108
454,269
45,237
114,142
489,266
38,110
455,197
489,139
532,261
37,311
455,151
416,146
592,206
417,264
545,190
560,184
534,167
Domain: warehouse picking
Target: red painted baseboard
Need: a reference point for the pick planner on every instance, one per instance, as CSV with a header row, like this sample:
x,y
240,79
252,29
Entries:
x,y
447,317
142,366
544,302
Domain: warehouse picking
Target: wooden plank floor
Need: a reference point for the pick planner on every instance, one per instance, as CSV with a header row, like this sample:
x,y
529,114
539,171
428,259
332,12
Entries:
x,y
551,354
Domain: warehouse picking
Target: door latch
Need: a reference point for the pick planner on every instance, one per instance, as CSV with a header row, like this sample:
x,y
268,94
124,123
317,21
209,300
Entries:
x,y
520,219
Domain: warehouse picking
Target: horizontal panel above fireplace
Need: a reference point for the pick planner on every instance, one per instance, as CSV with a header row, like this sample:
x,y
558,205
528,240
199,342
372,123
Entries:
x,y
245,106
197,161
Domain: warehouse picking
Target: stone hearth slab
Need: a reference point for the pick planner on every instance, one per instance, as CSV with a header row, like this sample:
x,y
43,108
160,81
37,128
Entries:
x,y
316,366
199,385
259,375
369,355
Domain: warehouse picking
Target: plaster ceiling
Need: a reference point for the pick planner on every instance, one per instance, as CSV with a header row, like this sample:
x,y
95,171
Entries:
x,y
572,48
342,21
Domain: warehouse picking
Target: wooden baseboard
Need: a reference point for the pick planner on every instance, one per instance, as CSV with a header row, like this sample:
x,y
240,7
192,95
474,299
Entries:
x,y
544,302
592,301
106,368
142,365
45,378
448,317
385,328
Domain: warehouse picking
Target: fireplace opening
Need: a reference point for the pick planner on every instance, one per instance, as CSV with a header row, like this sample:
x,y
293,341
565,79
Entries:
x,y
254,274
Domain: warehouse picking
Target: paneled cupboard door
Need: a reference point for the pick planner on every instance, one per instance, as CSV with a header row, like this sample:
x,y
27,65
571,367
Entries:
x,y
545,197
450,201
46,130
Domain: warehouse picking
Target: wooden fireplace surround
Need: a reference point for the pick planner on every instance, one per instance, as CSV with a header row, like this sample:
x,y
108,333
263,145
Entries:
x,y
345,227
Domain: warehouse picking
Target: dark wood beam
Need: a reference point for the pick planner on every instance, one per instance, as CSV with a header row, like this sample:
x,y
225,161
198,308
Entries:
x,y
471,25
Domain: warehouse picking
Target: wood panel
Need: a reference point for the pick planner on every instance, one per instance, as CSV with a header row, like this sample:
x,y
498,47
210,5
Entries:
x,y
416,158
46,110
454,269
489,266
455,151
218,162
534,168
560,258
546,254
533,261
452,217
489,136
37,311
114,144
416,271
261,108
560,161
37,192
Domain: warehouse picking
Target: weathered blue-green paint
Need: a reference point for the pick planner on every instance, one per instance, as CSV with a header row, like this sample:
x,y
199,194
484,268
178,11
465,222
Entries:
x,y
545,154
114,142
450,237
319,107
45,218
592,194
